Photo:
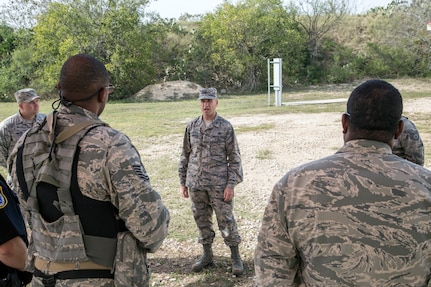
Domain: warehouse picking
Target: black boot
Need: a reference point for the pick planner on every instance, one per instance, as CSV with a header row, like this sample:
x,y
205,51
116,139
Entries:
x,y
237,266
206,259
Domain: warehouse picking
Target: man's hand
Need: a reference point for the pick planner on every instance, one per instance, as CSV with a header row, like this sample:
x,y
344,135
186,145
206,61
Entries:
x,y
228,194
184,191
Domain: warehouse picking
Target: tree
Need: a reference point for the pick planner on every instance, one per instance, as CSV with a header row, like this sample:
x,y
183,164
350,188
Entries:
x,y
407,38
397,42
173,44
7,46
233,44
110,30
16,68
318,18
23,13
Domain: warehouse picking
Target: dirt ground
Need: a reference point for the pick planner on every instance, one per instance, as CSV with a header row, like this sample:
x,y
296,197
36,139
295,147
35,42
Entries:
x,y
267,155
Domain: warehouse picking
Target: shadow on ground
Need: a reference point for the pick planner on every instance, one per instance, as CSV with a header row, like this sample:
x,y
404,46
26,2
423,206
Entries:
x,y
177,272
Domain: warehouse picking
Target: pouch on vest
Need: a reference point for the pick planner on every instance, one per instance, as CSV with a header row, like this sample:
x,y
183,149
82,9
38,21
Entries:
x,y
131,269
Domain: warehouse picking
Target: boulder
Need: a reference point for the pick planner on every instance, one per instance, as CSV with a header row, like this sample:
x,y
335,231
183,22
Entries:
x,y
167,91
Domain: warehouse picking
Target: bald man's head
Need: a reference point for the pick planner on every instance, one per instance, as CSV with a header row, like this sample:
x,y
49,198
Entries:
x,y
81,77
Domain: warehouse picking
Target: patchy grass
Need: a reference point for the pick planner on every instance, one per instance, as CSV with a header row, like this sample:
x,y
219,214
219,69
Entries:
x,y
264,154
156,130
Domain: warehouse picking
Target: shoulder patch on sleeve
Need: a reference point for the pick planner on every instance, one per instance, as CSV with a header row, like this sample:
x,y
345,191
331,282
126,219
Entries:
x,y
141,172
3,198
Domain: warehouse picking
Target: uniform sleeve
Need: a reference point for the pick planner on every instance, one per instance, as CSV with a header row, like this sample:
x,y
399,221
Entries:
x,y
276,261
139,205
235,174
5,139
184,158
8,230
412,144
11,221
110,169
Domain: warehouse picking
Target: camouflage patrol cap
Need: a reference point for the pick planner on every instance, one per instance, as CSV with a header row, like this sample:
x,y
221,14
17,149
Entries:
x,y
208,94
26,95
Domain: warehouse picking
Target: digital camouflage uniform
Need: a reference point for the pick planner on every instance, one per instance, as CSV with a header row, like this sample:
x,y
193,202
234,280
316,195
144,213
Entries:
x,y
210,162
109,169
361,217
11,129
409,144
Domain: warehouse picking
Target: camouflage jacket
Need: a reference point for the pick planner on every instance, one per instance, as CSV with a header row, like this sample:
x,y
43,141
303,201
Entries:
x,y
409,145
360,217
11,129
109,168
210,155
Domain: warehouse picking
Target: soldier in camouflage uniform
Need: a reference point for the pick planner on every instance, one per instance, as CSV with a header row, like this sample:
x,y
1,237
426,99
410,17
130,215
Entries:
x,y
409,144
14,126
210,168
109,186
360,217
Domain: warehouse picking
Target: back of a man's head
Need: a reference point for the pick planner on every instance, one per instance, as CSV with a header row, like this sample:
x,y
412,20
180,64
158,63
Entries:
x,y
375,106
82,75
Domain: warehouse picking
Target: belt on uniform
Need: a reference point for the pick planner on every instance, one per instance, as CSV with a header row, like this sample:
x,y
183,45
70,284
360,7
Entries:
x,y
49,280
54,267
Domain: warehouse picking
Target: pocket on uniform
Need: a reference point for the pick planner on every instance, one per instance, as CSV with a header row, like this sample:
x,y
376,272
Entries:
x,y
131,269
60,240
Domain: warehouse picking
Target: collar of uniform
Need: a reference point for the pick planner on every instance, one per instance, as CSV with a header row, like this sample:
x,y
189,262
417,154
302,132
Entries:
x,y
73,109
214,122
365,146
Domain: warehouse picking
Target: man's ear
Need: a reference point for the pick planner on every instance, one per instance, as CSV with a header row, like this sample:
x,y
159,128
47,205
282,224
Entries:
x,y
102,94
345,122
399,130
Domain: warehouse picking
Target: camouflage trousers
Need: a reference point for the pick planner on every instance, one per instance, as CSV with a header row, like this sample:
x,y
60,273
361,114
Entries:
x,y
204,202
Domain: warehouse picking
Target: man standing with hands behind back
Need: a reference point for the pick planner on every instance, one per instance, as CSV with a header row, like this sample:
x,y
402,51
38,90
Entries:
x,y
210,168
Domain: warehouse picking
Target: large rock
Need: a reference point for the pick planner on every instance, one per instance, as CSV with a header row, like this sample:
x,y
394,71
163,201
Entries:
x,y
172,90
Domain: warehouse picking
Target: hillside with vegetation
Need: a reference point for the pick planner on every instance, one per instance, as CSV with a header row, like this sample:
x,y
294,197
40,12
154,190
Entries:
x,y
320,41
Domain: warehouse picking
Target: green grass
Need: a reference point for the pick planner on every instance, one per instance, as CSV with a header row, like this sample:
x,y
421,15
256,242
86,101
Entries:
x,y
264,154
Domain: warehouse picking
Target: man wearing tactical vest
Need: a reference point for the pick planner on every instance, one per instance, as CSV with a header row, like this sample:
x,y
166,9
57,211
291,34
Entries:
x,y
88,200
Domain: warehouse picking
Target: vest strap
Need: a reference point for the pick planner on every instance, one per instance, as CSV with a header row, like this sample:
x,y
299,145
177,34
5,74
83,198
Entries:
x,y
49,280
70,131
54,166
51,121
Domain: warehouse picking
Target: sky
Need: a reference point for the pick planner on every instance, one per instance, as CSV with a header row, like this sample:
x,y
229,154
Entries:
x,y
176,8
